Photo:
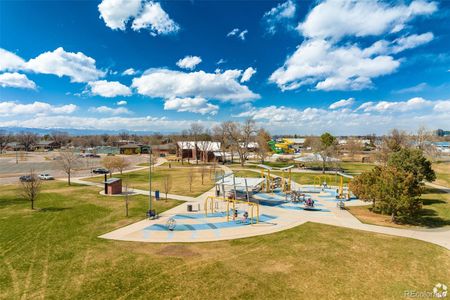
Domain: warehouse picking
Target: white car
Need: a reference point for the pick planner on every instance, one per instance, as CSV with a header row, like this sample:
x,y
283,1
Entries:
x,y
45,176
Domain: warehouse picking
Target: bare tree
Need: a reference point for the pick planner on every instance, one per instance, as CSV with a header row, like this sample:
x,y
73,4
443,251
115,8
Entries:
x,y
195,131
5,138
31,188
59,137
262,139
191,175
167,184
121,163
240,137
220,135
353,145
203,173
110,163
27,139
69,159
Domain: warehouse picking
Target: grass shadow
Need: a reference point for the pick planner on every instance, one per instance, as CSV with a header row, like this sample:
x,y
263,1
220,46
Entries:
x,y
54,209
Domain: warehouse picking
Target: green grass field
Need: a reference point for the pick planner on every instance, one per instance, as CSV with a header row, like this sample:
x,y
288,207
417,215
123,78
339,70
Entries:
x,y
54,252
442,170
435,212
180,183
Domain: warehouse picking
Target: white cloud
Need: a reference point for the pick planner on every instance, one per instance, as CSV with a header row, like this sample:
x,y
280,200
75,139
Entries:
x,y
107,123
238,33
10,61
11,108
405,115
77,66
278,15
342,103
233,32
413,89
169,84
242,34
116,13
110,110
248,73
129,71
331,68
411,41
416,103
109,89
339,18
16,80
146,14
189,62
122,102
155,19
221,61
195,105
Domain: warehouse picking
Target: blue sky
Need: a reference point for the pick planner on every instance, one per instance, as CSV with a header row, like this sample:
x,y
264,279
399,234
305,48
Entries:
x,y
294,66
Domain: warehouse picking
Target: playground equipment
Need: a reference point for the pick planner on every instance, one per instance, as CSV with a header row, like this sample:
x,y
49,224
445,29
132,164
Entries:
x,y
211,201
286,183
282,147
265,174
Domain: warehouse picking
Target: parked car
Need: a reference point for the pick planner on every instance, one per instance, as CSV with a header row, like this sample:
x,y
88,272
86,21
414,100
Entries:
x,y
100,171
27,178
45,176
111,154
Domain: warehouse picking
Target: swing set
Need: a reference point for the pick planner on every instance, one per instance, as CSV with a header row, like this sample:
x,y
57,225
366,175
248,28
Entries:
x,y
212,205
269,183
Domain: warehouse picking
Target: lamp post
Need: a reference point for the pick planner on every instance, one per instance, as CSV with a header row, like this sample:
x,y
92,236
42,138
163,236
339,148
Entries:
x,y
150,177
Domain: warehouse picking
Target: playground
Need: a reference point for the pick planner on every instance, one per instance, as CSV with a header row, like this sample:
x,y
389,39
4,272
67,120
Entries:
x,y
244,206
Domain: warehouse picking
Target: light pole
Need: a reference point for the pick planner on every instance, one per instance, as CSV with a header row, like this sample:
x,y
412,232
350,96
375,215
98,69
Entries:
x,y
150,177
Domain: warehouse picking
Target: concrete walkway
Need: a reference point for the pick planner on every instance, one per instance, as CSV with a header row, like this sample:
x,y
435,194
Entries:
x,y
282,219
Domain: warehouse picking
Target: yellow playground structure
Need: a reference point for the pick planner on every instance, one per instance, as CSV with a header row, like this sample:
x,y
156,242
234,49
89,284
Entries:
x,y
282,147
271,183
339,183
212,205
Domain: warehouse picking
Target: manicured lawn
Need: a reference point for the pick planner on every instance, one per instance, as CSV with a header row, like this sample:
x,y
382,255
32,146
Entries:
x,y
301,178
54,252
435,212
442,170
180,182
356,168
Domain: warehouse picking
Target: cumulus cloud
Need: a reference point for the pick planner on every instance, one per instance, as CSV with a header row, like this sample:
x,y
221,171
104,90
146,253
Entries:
x,y
416,103
16,80
279,14
248,73
189,62
168,84
12,108
195,105
109,89
342,103
406,115
145,14
155,19
116,13
104,123
331,68
10,61
77,66
122,102
411,41
238,33
110,110
336,19
129,71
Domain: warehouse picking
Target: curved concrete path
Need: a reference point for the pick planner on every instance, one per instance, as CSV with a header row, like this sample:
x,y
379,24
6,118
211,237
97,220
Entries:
x,y
283,219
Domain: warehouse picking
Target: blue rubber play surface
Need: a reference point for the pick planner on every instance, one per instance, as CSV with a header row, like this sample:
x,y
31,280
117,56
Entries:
x,y
209,226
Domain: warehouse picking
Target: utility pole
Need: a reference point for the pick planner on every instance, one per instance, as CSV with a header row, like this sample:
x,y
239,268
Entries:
x,y
150,177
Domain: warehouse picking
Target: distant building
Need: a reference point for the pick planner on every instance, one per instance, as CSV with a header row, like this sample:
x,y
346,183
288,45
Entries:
x,y
46,145
131,149
202,150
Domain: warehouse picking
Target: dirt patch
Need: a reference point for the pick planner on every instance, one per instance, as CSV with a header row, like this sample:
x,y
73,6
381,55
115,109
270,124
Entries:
x,y
277,267
177,250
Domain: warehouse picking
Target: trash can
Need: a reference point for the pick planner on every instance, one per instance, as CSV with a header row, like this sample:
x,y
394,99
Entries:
x,y
157,194
217,193
189,207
